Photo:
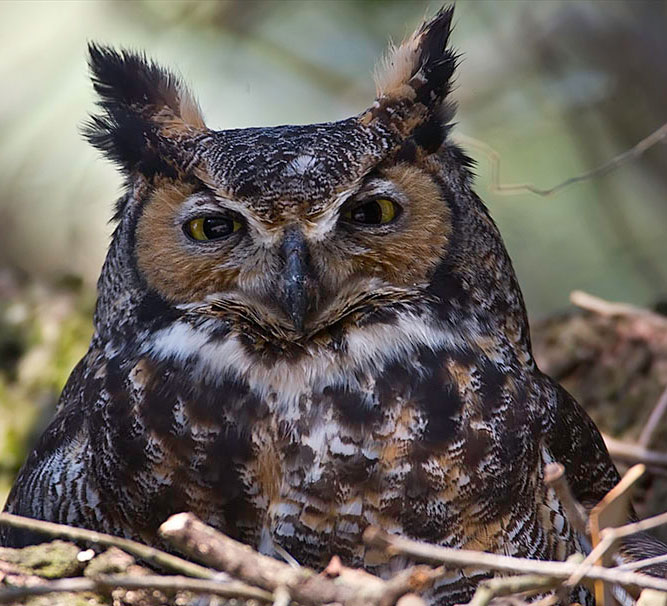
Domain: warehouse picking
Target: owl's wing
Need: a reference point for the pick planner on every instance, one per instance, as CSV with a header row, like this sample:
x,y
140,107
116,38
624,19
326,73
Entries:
x,y
40,483
576,443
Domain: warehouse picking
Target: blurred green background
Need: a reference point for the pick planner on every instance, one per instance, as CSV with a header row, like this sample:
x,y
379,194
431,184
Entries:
x,y
555,87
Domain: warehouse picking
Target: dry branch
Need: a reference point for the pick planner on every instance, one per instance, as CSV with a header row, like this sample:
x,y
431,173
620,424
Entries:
x,y
554,476
504,586
657,136
634,453
146,553
350,587
653,421
643,563
460,558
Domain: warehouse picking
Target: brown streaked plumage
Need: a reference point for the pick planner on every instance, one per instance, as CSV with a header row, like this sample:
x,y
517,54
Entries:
x,y
304,330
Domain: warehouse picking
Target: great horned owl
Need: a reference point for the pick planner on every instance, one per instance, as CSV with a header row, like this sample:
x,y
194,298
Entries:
x,y
304,330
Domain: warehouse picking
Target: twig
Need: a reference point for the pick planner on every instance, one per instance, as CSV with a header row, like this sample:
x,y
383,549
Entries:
x,y
230,589
654,419
349,586
554,476
657,136
487,561
148,554
281,596
642,563
632,453
635,527
609,537
502,586
612,509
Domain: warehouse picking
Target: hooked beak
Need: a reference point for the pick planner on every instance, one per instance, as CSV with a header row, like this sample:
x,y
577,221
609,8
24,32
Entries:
x,y
294,283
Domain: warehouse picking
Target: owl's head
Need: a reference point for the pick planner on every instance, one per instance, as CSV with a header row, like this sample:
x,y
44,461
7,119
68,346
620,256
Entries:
x,y
288,233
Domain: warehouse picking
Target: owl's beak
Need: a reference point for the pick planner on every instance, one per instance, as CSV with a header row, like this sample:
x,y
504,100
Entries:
x,y
294,282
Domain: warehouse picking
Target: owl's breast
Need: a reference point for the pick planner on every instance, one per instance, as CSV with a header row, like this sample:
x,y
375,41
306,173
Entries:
x,y
407,449
408,428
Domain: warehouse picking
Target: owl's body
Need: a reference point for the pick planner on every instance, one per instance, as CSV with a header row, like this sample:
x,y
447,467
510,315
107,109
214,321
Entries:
x,y
305,330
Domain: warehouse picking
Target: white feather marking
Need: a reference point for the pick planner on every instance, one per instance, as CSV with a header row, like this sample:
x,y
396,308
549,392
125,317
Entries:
x,y
283,384
351,508
300,165
318,229
179,341
338,447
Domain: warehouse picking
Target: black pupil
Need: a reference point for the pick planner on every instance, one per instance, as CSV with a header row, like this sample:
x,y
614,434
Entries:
x,y
371,212
217,227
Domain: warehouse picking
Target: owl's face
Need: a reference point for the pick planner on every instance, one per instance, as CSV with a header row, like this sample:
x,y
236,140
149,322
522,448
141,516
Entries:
x,y
294,231
300,247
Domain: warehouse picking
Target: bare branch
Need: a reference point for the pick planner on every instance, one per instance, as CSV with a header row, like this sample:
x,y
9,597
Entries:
x,y
507,189
632,453
458,558
503,586
643,563
148,554
554,476
653,421
351,587
630,529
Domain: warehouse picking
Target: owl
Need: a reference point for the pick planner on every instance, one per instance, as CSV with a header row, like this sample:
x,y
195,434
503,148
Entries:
x,y
302,331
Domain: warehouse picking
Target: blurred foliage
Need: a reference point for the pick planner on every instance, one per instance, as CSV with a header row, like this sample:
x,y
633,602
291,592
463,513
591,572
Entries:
x,y
556,87
44,331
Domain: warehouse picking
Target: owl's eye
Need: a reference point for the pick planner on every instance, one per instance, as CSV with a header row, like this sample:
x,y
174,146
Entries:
x,y
373,212
203,229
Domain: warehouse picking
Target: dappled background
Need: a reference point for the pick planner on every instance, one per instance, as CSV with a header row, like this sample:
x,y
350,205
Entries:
x,y
556,88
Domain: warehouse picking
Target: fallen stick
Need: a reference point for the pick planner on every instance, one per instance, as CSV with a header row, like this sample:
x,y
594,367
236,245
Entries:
x,y
350,587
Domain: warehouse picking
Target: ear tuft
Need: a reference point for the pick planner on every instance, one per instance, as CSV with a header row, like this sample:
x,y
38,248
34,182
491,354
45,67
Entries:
x,y
142,106
422,64
414,79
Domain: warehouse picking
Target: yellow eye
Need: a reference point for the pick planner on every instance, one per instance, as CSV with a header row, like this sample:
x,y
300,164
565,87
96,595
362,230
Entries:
x,y
203,229
373,212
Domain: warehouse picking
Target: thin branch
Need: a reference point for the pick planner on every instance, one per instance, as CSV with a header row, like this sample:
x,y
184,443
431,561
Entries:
x,y
148,554
504,586
105,583
657,413
657,136
642,563
554,476
486,561
594,556
635,527
632,453
281,596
